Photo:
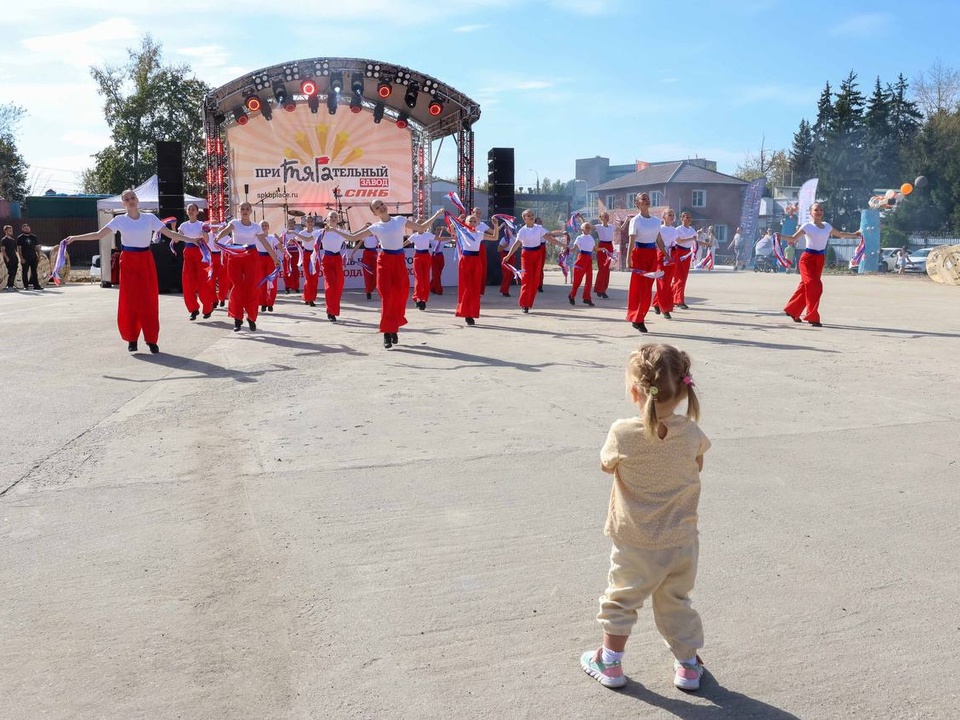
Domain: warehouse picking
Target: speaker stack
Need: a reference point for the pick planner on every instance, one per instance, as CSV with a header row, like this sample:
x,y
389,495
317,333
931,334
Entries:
x,y
503,199
171,204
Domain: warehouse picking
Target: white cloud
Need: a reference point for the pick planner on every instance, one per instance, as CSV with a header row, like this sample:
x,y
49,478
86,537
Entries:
x,y
588,7
89,46
469,28
863,25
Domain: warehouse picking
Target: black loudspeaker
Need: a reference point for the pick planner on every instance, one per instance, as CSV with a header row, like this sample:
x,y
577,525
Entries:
x,y
170,204
500,175
170,180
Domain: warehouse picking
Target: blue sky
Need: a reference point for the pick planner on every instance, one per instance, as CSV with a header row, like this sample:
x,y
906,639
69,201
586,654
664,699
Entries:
x,y
555,79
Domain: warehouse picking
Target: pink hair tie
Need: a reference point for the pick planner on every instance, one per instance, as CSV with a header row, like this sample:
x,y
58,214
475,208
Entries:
x,y
688,380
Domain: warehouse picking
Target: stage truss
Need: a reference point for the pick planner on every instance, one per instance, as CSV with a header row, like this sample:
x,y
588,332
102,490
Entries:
x,y
456,118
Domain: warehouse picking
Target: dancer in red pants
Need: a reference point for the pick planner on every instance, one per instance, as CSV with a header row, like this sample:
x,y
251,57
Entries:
x,y
663,302
244,266
508,276
683,256
369,267
583,245
470,271
291,258
438,261
311,278
138,307
806,300
645,239
482,227
218,280
605,252
422,264
197,291
268,290
331,244
393,280
530,237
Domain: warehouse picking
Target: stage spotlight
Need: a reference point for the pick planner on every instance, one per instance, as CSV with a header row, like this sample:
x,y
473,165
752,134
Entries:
x,y
411,96
402,120
332,100
253,103
308,87
355,104
240,116
356,84
384,89
283,99
436,107
313,102
336,82
378,112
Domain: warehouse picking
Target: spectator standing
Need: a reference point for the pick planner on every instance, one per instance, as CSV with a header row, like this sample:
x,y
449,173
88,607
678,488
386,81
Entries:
x,y
27,249
738,245
11,258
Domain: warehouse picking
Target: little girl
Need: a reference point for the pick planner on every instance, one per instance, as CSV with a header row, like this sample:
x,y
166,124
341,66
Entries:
x,y
656,459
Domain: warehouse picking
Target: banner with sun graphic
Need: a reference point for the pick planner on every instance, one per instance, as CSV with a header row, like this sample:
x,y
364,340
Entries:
x,y
304,161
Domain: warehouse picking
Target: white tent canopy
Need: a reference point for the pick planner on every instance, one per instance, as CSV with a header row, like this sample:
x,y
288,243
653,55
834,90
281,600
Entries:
x,y
149,197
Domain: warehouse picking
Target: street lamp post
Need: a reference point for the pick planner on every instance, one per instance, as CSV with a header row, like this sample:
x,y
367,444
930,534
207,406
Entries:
x,y
537,211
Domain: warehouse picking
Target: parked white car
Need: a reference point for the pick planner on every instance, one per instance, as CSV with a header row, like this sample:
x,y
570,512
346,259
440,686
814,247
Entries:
x,y
917,260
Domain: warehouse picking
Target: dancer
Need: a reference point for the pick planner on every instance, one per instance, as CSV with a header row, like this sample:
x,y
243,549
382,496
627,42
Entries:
x,y
268,290
663,302
368,260
437,261
482,227
808,292
138,307
332,242
244,266
422,264
605,252
291,258
195,276
683,256
530,237
219,278
583,268
393,281
470,271
308,243
656,460
645,238
507,275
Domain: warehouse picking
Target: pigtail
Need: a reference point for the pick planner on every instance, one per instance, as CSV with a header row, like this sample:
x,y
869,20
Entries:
x,y
693,400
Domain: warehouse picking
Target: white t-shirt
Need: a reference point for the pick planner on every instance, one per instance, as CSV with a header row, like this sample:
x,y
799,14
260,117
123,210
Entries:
x,y
471,240
764,245
271,240
244,234
390,233
686,236
531,237
135,233
211,238
422,241
605,233
816,237
482,226
585,243
436,245
645,229
309,238
331,240
192,230
668,233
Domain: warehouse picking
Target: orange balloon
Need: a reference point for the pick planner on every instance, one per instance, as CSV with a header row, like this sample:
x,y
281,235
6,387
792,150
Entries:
x,y
906,188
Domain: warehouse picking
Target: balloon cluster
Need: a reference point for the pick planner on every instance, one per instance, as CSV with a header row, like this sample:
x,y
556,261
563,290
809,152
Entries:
x,y
891,197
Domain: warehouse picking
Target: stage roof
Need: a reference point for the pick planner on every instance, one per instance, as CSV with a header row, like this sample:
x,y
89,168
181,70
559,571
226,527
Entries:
x,y
458,110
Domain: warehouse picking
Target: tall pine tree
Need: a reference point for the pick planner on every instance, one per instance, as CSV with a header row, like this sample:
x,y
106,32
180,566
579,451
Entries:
x,y
801,154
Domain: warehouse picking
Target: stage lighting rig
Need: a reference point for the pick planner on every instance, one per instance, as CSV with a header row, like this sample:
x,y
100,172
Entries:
x,y
410,98
356,84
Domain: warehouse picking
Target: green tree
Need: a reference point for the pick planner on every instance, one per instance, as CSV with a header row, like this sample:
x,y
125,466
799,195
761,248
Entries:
x,y
839,160
774,164
880,143
146,101
13,169
801,154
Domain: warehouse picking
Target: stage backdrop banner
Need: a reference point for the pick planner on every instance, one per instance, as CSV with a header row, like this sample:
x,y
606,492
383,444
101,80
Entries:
x,y
299,159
